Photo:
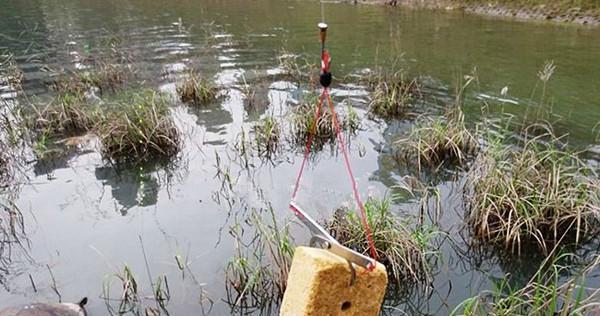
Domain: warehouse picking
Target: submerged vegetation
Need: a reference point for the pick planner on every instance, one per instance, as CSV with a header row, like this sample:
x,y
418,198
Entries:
x,y
195,90
535,194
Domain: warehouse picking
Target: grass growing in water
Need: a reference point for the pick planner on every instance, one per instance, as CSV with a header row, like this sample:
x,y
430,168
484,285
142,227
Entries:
x,y
393,95
439,140
139,129
303,119
401,250
267,134
195,90
256,277
67,115
105,76
544,294
537,194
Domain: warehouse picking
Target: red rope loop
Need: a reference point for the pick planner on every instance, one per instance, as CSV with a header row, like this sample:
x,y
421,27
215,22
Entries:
x,y
342,144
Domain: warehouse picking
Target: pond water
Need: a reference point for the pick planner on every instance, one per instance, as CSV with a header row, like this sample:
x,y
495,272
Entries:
x,y
84,219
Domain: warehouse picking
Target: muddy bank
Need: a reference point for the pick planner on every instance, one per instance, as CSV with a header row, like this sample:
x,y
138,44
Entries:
x,y
554,13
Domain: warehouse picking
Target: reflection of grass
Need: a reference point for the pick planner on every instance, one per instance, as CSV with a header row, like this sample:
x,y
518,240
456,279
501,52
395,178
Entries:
x,y
401,250
303,122
195,90
139,129
434,141
545,294
537,194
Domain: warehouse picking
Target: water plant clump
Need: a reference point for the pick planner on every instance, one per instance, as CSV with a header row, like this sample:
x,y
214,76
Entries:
x,y
303,123
195,90
267,134
544,294
439,140
400,250
256,277
139,129
67,115
536,193
104,76
10,74
393,95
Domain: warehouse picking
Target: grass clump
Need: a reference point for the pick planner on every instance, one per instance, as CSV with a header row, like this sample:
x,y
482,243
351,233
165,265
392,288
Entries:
x,y
393,95
10,74
303,122
403,252
67,115
195,90
439,140
535,193
139,129
544,294
256,277
104,76
267,136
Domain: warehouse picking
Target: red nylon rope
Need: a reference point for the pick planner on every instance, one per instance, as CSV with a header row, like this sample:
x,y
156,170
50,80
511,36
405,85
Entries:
x,y
342,145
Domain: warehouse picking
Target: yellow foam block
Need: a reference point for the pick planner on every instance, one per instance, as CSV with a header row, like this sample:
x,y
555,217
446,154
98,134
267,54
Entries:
x,y
320,284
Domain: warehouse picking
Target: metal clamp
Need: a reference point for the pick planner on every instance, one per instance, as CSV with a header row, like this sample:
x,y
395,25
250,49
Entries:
x,y
322,239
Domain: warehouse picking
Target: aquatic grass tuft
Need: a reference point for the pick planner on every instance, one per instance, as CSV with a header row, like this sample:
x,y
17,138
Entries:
x,y
544,294
104,76
195,90
533,193
256,277
393,95
139,129
10,74
67,115
303,119
439,140
129,300
267,135
401,250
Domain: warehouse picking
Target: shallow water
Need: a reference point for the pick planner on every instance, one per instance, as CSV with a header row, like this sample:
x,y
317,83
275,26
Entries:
x,y
84,219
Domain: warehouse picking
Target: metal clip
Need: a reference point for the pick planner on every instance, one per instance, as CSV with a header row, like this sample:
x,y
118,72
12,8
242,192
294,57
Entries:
x,y
322,239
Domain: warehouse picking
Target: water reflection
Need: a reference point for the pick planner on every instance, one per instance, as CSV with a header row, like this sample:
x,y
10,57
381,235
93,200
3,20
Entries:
x,y
131,187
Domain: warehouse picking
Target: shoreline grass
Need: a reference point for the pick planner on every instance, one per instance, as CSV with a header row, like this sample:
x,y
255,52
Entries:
x,y
535,193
